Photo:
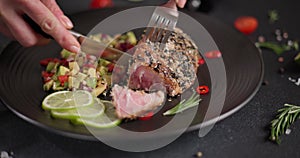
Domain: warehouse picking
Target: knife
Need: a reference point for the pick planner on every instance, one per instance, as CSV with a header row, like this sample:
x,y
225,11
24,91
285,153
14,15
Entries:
x,y
88,45
99,49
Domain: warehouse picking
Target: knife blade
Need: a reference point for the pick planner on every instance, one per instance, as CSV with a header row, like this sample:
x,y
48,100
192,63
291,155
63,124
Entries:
x,y
88,45
99,49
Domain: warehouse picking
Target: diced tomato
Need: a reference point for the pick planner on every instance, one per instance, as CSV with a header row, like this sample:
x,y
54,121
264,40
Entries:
x,y
62,79
64,62
148,116
45,62
101,4
47,76
110,67
202,89
246,24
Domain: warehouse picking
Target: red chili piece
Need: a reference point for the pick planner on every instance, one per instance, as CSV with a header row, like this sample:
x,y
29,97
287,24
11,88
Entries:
x,y
202,90
213,54
201,61
148,116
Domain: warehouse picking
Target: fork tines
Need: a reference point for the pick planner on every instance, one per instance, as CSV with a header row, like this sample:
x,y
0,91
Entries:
x,y
161,25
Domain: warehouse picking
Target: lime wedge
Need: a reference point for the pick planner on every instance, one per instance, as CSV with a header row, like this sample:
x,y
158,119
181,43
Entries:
x,y
91,111
63,100
107,120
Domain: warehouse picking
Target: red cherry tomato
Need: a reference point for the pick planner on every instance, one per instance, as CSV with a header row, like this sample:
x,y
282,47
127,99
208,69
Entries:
x,y
101,4
246,24
202,90
148,116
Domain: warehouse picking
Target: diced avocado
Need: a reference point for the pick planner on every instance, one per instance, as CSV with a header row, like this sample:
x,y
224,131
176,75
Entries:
x,y
91,82
73,82
50,66
92,72
107,79
103,62
80,76
131,38
47,86
55,67
56,86
65,54
74,67
63,70
102,70
98,90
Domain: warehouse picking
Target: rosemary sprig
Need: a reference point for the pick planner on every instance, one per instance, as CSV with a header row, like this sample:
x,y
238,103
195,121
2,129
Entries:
x,y
184,105
278,49
286,116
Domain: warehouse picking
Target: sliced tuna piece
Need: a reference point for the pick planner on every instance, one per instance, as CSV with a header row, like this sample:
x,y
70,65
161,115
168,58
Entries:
x,y
131,104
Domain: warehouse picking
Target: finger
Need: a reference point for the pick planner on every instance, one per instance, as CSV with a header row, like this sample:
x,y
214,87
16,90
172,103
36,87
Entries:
x,y
55,9
51,25
4,30
181,3
19,29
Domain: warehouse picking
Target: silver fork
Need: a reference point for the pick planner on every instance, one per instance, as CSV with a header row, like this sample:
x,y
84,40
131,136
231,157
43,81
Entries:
x,y
162,23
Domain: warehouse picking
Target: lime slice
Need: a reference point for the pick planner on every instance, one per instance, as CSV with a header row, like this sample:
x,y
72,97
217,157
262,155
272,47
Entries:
x,y
91,111
297,59
63,100
107,120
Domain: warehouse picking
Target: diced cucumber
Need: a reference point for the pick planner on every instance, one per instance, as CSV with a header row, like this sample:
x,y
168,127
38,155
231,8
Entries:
x,y
47,86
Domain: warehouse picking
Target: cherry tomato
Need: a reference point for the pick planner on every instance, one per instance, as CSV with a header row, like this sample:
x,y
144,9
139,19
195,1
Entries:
x,y
202,89
101,4
148,116
246,24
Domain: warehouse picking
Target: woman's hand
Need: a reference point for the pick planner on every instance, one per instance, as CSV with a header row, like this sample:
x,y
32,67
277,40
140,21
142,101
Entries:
x,y
46,13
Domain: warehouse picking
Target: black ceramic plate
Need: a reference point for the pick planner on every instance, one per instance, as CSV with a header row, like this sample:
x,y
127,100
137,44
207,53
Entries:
x,y
21,83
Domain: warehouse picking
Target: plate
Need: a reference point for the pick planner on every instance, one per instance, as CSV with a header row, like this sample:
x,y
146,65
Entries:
x,y
21,83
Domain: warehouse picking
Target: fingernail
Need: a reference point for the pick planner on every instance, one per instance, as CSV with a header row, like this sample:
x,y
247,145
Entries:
x,y
74,49
67,22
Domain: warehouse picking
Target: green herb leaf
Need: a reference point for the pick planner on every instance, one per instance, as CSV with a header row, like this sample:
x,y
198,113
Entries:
x,y
273,16
184,105
285,118
278,49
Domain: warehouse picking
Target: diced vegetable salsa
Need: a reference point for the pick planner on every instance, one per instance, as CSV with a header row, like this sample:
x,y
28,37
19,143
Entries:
x,y
92,74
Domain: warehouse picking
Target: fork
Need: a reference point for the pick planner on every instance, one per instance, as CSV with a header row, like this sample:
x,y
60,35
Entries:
x,y
162,23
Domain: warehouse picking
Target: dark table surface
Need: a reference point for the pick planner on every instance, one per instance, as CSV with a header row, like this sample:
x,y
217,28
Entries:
x,y
243,134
